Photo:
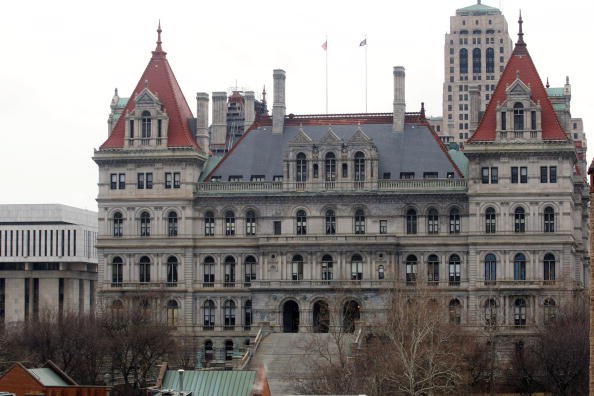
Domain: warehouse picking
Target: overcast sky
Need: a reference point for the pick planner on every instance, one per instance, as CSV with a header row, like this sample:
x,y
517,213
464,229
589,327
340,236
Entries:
x,y
61,61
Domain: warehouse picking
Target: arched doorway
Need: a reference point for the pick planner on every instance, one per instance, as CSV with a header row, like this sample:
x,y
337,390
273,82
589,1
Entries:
x,y
350,314
321,317
290,317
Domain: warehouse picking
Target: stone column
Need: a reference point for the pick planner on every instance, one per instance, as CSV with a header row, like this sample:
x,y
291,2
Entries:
x,y
279,106
399,99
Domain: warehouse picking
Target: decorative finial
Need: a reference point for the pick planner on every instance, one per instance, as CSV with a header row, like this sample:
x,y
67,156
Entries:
x,y
478,2
146,83
423,109
159,42
548,86
566,79
264,95
116,92
518,74
158,52
520,33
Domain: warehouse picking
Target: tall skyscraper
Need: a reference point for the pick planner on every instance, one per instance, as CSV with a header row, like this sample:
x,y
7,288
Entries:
x,y
475,52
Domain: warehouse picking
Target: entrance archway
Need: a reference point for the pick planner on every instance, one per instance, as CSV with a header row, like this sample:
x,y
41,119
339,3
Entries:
x,y
321,317
351,313
290,317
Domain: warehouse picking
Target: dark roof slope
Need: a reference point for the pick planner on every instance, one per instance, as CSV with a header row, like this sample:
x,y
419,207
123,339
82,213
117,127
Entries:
x,y
161,82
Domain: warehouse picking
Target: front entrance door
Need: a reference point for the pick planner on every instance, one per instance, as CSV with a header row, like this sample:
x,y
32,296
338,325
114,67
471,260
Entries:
x,y
290,317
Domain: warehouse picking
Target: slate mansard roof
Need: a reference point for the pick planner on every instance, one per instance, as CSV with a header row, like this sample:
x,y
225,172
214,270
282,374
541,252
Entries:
x,y
416,149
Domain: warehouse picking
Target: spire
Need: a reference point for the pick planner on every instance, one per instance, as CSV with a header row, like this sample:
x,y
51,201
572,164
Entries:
x,y
158,52
520,48
548,85
423,104
264,95
520,33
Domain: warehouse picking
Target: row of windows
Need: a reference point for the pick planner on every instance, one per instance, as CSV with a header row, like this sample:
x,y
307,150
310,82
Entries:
x,y
518,174
476,60
14,243
519,268
145,224
144,180
330,171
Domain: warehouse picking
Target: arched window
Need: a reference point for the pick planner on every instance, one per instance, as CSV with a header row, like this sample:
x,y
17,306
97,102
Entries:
x,y
356,267
229,311
297,267
490,269
209,271
454,221
455,310
476,60
463,61
327,267
301,168
250,223
251,268
146,124
550,310
208,351
144,269
433,270
411,221
209,224
330,222
172,224
359,222
301,222
229,271
549,219
380,272
172,270
519,220
549,268
208,309
172,312
117,271
518,116
454,270
330,165
145,224
490,221
490,60
520,312
229,223
118,224
411,269
359,166
491,313
520,267
433,222
247,315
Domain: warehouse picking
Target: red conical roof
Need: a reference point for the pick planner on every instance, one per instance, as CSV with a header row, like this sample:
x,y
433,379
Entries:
x,y
160,80
521,62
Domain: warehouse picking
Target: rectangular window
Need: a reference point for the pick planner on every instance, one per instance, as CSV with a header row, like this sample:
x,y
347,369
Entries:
x,y
485,175
257,178
523,174
176,180
235,178
553,174
514,174
383,226
544,171
494,175
113,181
277,178
503,120
149,181
122,181
533,120
140,183
168,179
159,128
131,129
277,227
387,175
429,175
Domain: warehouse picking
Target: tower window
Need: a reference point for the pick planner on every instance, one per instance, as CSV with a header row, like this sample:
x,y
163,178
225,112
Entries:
x,y
518,116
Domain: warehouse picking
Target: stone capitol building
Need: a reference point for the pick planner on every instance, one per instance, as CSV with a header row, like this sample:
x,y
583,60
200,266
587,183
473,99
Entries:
x,y
306,214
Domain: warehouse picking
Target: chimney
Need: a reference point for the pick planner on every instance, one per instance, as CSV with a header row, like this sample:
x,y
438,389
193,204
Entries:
x,y
278,107
202,137
475,107
219,118
399,99
180,373
249,109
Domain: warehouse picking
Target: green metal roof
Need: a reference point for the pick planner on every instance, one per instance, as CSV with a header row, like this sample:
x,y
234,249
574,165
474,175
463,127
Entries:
x,y
210,165
460,160
478,9
559,106
122,102
555,91
48,377
212,383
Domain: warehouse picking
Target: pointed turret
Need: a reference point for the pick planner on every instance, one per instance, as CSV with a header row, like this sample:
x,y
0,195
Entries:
x,y
157,87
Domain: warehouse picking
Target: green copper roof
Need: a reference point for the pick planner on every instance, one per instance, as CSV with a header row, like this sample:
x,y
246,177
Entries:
x,y
555,91
210,165
47,377
460,160
559,106
478,9
122,102
212,383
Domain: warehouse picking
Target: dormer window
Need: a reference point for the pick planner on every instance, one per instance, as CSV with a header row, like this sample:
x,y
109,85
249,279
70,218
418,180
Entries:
x,y
518,116
146,127
359,166
301,168
148,111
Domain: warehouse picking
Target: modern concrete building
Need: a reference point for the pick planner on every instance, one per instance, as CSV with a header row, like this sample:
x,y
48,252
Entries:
x,y
476,50
307,215
48,260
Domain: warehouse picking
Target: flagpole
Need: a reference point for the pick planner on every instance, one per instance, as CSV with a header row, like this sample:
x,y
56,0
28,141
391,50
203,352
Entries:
x,y
326,74
366,72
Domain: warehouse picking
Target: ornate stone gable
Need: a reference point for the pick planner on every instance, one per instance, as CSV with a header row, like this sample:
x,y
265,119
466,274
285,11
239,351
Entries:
x,y
301,138
330,138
